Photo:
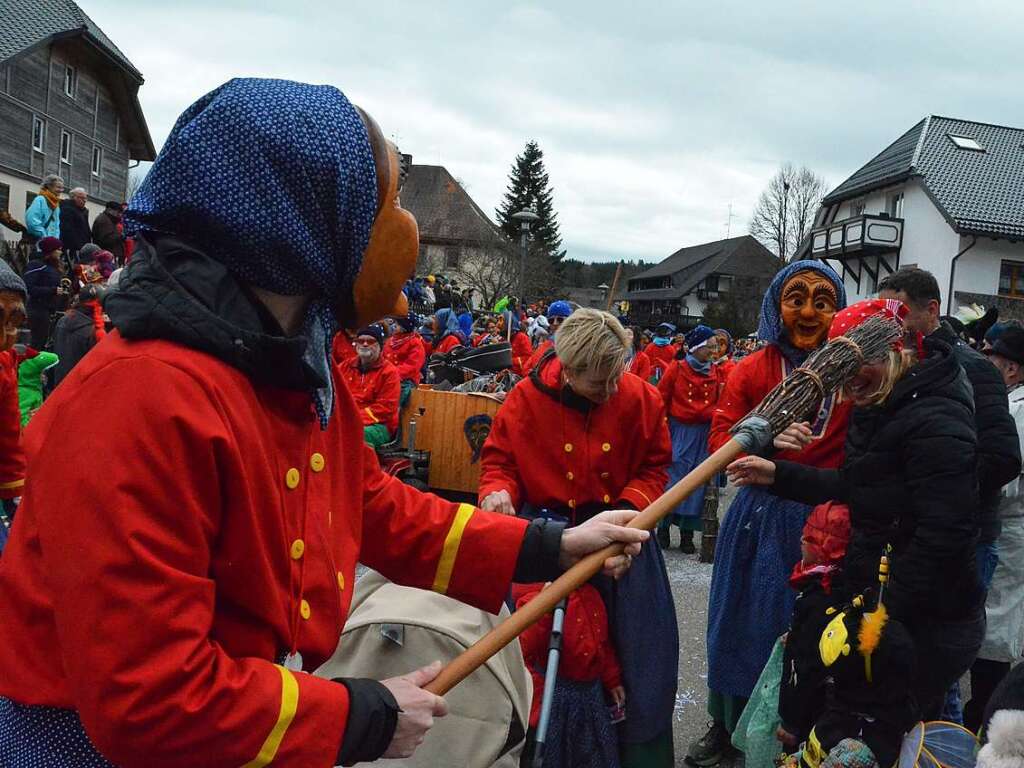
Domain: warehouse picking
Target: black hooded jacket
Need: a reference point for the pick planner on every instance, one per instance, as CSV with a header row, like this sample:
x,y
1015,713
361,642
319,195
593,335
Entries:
x,y
910,480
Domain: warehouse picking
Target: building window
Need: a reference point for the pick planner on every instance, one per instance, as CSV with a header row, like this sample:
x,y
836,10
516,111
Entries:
x,y
1011,278
65,147
97,160
966,142
38,133
896,205
451,257
856,208
70,80
5,197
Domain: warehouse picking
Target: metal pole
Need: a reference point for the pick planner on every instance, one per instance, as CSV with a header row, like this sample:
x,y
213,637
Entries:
x,y
524,237
550,677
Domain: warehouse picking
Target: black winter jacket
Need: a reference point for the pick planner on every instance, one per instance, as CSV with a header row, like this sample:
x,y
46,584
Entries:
x,y
74,335
998,445
74,227
42,281
910,480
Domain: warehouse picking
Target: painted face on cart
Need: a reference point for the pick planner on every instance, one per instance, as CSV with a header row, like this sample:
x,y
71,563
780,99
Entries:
x,y
809,303
12,312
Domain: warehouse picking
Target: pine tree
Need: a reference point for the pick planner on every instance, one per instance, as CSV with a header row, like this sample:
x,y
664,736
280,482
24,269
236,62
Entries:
x,y
528,186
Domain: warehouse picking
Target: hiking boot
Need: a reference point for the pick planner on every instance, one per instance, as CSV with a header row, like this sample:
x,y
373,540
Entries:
x,y
664,537
710,748
686,542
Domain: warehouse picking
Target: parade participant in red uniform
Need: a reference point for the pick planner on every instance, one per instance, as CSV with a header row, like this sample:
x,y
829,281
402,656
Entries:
x,y
12,458
759,541
447,333
661,350
639,363
343,348
374,384
169,608
690,389
723,357
522,350
556,315
406,350
576,437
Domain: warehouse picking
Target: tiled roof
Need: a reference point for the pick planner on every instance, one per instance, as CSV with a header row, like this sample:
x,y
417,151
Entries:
x,y
30,23
444,210
980,192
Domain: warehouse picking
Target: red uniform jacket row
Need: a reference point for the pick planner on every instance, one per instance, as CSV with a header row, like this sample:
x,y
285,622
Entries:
x,y
689,397
552,455
754,377
587,650
407,351
640,365
12,457
222,533
376,391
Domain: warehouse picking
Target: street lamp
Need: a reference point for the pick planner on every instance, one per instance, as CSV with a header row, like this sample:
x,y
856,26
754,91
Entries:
x,y
526,219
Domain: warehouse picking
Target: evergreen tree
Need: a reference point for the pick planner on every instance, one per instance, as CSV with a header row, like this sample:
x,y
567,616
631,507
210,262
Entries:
x,y
529,187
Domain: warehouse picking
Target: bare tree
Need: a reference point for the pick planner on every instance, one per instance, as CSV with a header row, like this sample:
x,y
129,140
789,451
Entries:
x,y
495,273
136,176
785,210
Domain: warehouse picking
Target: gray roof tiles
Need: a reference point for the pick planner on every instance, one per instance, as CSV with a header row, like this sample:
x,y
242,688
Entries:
x,y
978,192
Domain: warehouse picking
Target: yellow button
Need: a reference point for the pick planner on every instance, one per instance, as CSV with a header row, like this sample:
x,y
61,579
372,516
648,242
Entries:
x,y
298,547
341,580
606,447
607,498
316,462
572,503
568,447
291,478
304,609
569,475
604,475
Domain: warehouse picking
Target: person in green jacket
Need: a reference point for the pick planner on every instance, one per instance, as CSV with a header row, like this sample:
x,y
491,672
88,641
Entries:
x,y
30,381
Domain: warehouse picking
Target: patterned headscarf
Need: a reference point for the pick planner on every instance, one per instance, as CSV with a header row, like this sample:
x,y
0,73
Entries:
x,y
857,313
698,337
448,324
770,328
276,180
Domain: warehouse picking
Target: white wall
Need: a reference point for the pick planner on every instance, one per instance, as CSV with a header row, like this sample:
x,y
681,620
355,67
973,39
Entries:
x,y
928,239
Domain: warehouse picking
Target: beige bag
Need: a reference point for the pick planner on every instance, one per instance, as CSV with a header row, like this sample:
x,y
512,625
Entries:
x,y
392,630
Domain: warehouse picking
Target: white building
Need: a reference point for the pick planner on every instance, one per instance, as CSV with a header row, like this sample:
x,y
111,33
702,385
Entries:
x,y
947,196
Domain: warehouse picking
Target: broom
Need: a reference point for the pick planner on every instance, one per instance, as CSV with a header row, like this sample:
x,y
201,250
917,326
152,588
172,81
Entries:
x,y
797,398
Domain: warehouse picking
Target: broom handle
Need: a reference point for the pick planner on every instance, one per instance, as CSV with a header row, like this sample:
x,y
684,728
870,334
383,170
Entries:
x,y
503,634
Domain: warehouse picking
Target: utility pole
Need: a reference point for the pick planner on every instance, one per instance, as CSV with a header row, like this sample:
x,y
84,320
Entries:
x,y
526,218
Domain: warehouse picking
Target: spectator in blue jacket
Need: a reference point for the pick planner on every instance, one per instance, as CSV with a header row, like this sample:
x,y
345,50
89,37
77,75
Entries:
x,y
42,217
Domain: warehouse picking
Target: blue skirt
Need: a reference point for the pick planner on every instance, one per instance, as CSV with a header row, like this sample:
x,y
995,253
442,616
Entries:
x,y
751,602
45,737
689,448
581,733
642,622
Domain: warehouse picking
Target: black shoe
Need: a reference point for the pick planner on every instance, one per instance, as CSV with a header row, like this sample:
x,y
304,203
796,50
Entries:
x,y
665,537
686,542
710,748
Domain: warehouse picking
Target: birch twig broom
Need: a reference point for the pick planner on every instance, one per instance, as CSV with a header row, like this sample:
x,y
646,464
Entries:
x,y
797,398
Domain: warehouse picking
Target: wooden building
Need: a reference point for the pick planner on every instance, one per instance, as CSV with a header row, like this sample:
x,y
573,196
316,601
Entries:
x,y
68,105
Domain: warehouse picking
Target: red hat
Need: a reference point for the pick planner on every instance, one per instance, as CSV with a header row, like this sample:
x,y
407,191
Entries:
x,y
855,314
827,533
49,245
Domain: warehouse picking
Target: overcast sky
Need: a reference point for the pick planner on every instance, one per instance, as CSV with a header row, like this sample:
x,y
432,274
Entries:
x,y
654,117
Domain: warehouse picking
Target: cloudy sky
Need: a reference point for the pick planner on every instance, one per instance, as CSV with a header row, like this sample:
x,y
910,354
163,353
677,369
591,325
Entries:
x,y
654,117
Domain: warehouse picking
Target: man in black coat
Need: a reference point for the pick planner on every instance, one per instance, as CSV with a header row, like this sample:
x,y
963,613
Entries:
x,y
106,234
74,223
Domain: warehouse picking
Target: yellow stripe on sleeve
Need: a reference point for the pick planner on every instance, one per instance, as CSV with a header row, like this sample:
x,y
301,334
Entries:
x,y
370,414
12,484
289,704
446,564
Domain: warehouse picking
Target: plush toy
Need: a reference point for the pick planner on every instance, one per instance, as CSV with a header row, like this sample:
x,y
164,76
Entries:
x,y
1003,732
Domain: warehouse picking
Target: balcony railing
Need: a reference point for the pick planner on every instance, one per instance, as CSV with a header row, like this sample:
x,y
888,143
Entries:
x,y
862,235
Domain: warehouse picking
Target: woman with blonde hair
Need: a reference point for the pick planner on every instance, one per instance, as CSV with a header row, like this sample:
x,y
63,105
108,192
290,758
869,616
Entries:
x,y
578,437
909,477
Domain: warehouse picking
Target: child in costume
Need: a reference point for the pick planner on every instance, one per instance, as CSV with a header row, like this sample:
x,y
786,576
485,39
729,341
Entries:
x,y
581,733
661,350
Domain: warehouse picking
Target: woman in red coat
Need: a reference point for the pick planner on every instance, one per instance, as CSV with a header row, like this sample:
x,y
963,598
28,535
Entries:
x,y
172,607
723,357
406,350
639,364
447,333
661,350
521,347
579,436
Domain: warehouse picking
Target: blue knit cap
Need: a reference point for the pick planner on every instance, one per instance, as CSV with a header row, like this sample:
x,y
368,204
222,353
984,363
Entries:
x,y
698,337
559,308
770,328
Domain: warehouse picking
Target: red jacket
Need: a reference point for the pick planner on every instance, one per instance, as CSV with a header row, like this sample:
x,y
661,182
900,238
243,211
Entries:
x,y
447,344
342,348
406,351
550,455
538,353
587,650
726,367
690,397
661,357
754,377
155,596
522,351
12,455
640,366
375,390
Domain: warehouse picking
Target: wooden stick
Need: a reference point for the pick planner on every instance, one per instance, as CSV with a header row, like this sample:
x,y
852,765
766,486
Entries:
x,y
615,284
503,634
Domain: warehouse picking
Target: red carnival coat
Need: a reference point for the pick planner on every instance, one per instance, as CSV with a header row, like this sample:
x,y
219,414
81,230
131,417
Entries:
x,y
754,377
661,357
551,455
155,595
726,367
447,344
342,348
587,649
689,397
538,353
376,391
406,351
12,456
640,366
522,351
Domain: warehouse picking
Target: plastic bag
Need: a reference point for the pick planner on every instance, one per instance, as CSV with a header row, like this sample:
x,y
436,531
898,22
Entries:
x,y
755,731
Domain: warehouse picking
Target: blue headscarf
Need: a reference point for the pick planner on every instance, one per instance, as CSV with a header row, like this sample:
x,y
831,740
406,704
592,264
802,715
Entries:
x,y
276,180
448,324
466,324
699,336
771,329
